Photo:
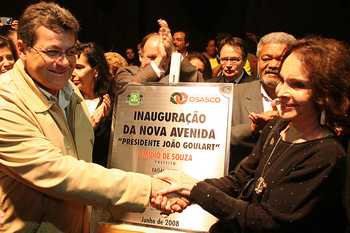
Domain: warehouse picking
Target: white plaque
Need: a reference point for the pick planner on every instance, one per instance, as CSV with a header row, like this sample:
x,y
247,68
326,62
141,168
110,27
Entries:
x,y
181,127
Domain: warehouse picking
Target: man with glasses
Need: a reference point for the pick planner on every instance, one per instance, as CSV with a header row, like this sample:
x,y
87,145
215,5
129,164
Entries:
x,y
233,56
47,180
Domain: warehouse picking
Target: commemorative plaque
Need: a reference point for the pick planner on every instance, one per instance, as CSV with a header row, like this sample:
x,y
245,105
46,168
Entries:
x,y
185,126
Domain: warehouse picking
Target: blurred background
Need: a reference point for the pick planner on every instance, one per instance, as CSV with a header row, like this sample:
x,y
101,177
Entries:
x,y
117,24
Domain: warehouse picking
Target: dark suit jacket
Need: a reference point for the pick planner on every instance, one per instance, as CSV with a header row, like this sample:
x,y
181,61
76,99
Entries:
x,y
246,98
135,74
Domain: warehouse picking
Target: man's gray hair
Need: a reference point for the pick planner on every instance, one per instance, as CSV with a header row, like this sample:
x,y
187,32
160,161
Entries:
x,y
275,38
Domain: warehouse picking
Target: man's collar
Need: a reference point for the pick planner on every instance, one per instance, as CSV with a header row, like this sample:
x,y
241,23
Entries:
x,y
230,80
238,80
35,97
264,94
64,95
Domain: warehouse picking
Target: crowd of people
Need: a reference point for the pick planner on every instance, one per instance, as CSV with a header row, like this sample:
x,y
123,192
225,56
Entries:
x,y
289,133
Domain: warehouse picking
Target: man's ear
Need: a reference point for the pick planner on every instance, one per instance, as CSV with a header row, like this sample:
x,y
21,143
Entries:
x,y
140,58
21,49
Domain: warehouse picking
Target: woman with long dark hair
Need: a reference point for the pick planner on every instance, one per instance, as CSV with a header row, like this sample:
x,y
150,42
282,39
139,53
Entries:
x,y
293,179
91,76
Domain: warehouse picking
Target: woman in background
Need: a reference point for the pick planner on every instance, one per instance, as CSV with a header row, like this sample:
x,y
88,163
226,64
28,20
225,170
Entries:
x,y
8,54
91,76
202,64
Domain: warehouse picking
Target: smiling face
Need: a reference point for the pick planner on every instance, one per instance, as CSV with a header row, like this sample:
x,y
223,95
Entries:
x,y
180,42
269,63
6,59
295,91
51,73
84,76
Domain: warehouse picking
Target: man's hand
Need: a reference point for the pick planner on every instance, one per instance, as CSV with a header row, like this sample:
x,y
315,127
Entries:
x,y
166,46
167,203
259,120
180,183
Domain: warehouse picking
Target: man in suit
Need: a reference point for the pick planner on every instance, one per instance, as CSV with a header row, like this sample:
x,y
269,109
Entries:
x,y
252,100
47,179
155,55
181,42
233,56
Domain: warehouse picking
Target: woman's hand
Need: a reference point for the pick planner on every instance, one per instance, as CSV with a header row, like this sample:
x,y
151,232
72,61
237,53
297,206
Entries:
x,y
179,182
101,111
167,203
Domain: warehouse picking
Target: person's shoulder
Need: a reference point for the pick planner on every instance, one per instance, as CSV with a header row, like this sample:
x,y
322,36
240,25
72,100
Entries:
x,y
248,78
244,85
6,83
329,145
217,79
211,80
128,69
5,77
9,92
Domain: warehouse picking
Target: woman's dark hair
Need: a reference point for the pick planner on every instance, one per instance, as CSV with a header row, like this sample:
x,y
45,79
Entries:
x,y
234,42
7,43
207,73
327,64
96,59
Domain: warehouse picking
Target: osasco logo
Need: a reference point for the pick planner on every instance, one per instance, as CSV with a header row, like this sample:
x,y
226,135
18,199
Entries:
x,y
182,98
178,98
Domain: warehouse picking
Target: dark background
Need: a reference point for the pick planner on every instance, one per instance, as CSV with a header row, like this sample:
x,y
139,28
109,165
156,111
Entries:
x,y
117,24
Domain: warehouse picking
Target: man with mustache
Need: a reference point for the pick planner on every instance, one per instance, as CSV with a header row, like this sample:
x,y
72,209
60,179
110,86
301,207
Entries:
x,y
252,100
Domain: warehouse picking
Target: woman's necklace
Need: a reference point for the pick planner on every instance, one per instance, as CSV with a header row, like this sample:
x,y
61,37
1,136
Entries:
x,y
261,184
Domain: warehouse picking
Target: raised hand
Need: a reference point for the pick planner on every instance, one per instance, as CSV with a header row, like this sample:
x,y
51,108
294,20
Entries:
x,y
166,37
166,46
101,111
259,120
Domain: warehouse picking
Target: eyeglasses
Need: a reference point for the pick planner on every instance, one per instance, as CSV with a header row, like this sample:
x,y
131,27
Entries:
x,y
55,54
230,59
